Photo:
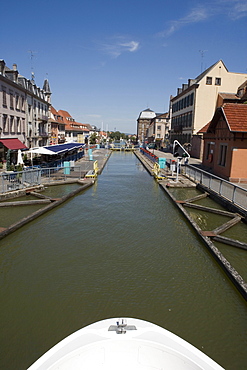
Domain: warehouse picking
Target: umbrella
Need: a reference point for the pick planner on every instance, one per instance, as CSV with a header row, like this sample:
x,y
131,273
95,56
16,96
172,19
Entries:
x,y
19,158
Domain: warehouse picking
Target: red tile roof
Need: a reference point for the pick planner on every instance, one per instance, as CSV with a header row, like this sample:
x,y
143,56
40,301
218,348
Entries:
x,y
236,116
204,128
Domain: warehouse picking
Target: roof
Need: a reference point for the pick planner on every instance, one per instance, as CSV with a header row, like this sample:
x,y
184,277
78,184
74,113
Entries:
x,y
204,73
230,96
13,144
147,114
204,128
236,116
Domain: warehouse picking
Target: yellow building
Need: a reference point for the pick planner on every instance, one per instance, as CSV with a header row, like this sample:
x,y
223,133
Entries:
x,y
195,103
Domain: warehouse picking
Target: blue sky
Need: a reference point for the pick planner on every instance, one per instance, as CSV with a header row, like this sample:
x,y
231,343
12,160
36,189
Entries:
x,y
107,60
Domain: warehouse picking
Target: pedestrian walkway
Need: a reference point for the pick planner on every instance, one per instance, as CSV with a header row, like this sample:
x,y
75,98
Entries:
x,y
169,156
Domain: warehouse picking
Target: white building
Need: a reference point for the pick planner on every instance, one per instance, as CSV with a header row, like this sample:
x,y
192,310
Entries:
x,y
195,103
158,130
24,108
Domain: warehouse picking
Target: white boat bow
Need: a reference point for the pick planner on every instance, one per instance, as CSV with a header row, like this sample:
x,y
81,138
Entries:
x,y
124,343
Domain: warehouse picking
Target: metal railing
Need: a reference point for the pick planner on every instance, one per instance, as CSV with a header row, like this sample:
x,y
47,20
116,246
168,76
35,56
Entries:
x,y
15,180
232,192
149,155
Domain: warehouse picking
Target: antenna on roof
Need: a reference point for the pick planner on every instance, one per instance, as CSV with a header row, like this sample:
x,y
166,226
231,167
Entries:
x,y
202,52
32,69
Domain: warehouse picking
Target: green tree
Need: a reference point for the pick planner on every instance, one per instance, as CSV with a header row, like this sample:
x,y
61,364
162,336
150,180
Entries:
x,y
93,138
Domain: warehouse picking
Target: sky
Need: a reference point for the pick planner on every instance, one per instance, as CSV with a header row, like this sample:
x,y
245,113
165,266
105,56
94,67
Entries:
x,y
107,60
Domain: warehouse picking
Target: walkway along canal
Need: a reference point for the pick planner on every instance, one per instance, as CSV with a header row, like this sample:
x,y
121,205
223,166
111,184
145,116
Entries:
x,y
121,248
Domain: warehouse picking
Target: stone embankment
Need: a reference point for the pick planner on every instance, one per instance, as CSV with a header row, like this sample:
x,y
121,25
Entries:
x,y
171,180
47,203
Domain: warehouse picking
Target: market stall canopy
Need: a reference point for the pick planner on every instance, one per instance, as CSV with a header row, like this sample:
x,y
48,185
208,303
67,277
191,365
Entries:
x,y
13,144
63,148
41,150
56,149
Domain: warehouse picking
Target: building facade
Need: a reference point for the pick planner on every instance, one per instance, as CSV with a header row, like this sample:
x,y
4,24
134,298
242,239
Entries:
x,y
24,108
195,103
143,122
74,131
158,130
225,143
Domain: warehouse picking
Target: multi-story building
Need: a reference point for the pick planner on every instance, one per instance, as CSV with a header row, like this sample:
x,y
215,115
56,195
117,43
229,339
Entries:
x,y
57,128
24,108
195,103
158,130
143,122
74,131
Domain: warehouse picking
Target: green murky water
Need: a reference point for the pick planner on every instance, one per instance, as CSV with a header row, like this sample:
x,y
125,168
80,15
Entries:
x,y
121,248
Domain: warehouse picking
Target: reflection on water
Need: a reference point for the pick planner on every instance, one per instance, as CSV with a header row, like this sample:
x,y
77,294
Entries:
x,y
121,248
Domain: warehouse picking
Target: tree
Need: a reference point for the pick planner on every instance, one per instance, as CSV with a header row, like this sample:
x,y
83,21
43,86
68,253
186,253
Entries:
x,y
93,138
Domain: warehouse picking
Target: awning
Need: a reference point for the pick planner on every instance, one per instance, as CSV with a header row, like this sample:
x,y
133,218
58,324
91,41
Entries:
x,y
41,150
63,148
13,144
55,149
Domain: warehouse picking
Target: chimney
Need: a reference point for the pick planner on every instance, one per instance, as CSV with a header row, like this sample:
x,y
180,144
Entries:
x,y
14,67
2,66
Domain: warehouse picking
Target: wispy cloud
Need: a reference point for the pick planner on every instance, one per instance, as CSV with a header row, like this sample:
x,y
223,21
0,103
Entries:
x,y
239,10
119,45
233,9
196,15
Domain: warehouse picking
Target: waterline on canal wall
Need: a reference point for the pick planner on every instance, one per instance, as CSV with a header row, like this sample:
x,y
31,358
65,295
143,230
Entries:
x,y
234,276
53,203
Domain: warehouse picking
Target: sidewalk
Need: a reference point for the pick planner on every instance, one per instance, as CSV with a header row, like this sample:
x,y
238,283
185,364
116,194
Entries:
x,y
169,156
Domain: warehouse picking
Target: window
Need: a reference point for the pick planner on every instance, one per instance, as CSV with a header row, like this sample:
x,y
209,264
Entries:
x,y
18,122
11,99
222,155
217,81
209,81
4,96
192,99
12,124
17,102
158,127
208,150
5,123
22,103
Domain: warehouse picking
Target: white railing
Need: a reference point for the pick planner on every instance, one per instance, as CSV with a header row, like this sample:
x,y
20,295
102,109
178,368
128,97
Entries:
x,y
228,190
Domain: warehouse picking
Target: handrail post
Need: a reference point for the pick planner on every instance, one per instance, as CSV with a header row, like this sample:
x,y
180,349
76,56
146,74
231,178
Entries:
x,y
233,194
220,187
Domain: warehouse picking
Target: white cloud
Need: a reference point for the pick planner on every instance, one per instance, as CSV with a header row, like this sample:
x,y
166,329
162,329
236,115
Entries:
x,y
131,46
196,15
119,45
239,10
234,9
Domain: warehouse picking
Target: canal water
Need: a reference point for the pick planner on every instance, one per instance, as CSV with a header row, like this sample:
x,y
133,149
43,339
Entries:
x,y
120,248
